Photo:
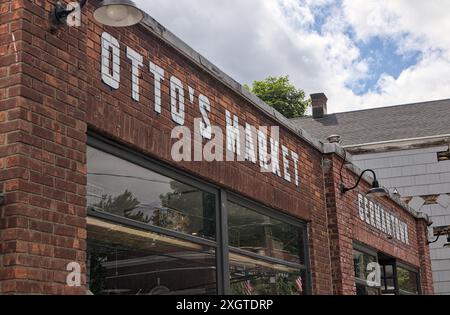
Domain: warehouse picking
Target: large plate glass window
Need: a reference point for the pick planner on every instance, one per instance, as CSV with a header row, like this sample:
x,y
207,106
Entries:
x,y
148,233
123,260
121,188
408,280
267,254
398,278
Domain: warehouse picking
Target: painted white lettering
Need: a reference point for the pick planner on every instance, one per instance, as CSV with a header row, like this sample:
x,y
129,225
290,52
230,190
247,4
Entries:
x,y
295,159
233,135
250,135
275,156
372,213
287,175
361,207
377,217
137,61
205,108
110,62
158,74
262,150
177,100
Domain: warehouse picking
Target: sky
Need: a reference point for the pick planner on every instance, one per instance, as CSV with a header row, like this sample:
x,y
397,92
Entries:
x,y
361,53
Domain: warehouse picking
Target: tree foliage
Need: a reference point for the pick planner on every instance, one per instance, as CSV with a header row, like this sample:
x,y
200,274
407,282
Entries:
x,y
282,95
122,205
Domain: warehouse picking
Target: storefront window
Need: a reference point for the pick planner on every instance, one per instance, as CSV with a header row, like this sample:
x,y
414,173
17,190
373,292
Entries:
x,y
394,277
275,259
251,276
407,281
263,235
128,261
154,234
124,189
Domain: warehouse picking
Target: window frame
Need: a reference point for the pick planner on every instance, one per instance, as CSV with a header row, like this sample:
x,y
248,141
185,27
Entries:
x,y
280,216
385,290
413,270
221,244
395,263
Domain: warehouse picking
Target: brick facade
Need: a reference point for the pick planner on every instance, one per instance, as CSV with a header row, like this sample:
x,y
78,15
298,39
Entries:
x,y
43,145
345,227
51,94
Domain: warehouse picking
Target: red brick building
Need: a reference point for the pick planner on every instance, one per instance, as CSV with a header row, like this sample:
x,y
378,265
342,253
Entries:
x,y
92,191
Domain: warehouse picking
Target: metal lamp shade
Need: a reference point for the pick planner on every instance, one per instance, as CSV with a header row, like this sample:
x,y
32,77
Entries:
x,y
377,192
118,13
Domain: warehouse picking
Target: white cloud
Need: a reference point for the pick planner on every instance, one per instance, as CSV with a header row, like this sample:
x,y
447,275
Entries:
x,y
252,39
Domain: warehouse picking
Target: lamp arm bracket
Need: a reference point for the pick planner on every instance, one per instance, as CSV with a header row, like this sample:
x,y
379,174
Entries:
x,y
345,189
61,12
437,239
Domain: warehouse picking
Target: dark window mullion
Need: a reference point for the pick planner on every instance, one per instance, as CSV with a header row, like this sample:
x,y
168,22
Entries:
x,y
223,269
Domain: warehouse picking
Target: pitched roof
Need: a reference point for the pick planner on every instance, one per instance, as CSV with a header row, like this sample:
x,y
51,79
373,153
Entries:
x,y
382,124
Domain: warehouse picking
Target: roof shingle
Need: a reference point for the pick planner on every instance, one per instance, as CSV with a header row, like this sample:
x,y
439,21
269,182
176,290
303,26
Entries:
x,y
382,124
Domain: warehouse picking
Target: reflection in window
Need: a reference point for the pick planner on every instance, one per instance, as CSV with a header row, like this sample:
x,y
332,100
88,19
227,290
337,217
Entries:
x,y
362,289
388,278
363,263
126,261
407,281
121,188
249,276
263,235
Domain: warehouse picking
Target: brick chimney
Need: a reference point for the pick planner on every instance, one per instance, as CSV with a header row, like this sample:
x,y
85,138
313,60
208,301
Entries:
x,y
319,105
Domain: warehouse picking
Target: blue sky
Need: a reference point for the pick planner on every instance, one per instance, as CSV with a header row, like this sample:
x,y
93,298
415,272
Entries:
x,y
381,53
383,58
361,53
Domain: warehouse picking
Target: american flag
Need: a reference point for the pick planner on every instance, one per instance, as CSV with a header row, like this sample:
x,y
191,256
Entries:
x,y
248,288
299,284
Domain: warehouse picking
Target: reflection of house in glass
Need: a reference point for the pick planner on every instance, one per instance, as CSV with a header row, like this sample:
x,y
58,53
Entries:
x,y
263,235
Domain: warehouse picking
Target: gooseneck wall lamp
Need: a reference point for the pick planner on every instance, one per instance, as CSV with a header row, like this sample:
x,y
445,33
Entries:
x,y
117,13
375,191
441,231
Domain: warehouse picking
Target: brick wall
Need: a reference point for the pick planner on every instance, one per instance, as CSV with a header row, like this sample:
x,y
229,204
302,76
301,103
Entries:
x,y
426,274
53,94
135,124
345,227
42,150
48,102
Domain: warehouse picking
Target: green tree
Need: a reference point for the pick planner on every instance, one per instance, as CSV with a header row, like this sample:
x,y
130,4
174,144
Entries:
x,y
122,205
282,95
